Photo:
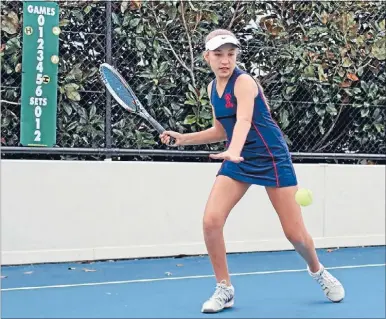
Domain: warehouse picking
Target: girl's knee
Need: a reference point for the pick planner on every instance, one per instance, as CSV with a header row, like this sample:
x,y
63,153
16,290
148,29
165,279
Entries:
x,y
213,221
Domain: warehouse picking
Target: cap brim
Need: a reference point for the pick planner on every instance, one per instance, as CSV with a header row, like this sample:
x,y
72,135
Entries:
x,y
218,41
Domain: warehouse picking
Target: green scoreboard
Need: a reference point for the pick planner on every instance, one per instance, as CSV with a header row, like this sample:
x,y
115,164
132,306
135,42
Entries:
x,y
39,85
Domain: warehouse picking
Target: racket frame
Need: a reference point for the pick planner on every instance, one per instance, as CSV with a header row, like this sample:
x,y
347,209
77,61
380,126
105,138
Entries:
x,y
140,109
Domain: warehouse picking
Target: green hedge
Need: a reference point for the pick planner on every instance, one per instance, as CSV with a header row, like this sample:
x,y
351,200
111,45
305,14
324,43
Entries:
x,y
322,65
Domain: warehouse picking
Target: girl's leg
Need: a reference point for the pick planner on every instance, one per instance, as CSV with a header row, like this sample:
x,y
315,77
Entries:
x,y
224,195
291,219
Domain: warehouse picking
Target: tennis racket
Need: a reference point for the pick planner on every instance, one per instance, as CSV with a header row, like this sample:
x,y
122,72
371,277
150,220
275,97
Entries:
x,y
124,95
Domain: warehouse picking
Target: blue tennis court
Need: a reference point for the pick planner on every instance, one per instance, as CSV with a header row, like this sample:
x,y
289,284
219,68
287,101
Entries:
x,y
268,284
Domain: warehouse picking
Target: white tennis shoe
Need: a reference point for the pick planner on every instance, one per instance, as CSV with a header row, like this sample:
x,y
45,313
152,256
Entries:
x,y
331,286
222,298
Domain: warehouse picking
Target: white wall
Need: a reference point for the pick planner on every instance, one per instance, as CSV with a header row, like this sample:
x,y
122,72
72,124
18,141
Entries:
x,y
63,211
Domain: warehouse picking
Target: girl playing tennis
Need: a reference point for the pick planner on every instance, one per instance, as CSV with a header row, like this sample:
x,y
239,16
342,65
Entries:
x,y
256,154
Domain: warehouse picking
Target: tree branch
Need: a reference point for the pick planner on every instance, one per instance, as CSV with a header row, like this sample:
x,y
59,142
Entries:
x,y
234,15
9,102
174,53
329,131
330,142
179,59
168,42
189,42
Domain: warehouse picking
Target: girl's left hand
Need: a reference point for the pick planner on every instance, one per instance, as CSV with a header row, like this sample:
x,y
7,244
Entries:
x,y
227,156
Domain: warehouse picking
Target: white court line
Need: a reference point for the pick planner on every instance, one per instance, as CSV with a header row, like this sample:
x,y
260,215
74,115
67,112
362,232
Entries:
x,y
184,277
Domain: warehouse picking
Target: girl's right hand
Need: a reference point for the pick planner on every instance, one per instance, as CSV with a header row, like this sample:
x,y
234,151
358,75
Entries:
x,y
165,138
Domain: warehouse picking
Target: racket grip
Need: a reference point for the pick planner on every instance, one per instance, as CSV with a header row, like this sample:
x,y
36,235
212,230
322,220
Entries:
x,y
172,141
160,129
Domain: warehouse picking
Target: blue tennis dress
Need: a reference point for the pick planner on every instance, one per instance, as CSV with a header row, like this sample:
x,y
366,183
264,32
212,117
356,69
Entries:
x,y
267,160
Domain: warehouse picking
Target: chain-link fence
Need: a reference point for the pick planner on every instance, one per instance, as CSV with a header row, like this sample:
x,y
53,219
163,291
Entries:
x,y
321,64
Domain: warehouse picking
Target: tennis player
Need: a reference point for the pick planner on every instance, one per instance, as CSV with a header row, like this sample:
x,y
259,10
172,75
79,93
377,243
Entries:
x,y
256,154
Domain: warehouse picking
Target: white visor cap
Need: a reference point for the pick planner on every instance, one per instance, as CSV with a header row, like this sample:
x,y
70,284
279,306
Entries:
x,y
220,40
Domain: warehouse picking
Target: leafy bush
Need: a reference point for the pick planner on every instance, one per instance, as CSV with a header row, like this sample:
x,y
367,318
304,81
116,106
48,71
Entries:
x,y
322,65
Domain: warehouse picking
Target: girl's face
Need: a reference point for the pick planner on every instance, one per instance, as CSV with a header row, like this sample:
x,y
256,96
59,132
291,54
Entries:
x,y
222,60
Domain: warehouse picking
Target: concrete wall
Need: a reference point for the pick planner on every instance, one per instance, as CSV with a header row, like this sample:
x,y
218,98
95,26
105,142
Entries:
x,y
65,211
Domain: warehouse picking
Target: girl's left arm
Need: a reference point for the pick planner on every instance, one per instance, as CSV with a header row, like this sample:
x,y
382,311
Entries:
x,y
246,91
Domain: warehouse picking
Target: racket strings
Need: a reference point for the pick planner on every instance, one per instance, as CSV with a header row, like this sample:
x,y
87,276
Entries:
x,y
119,88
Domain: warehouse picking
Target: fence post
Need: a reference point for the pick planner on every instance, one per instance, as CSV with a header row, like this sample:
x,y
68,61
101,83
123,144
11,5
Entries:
x,y
108,96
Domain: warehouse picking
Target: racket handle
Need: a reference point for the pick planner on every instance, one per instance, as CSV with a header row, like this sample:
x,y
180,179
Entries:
x,y
160,129
172,141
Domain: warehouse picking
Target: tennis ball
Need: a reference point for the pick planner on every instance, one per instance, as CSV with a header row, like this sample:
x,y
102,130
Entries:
x,y
303,197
